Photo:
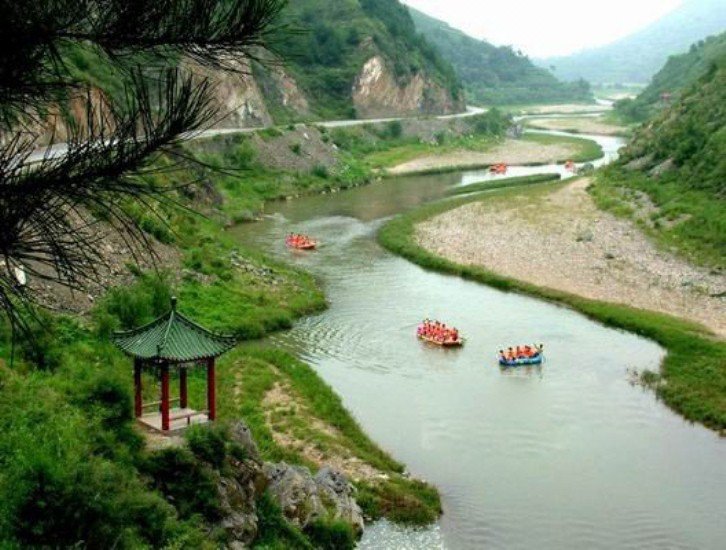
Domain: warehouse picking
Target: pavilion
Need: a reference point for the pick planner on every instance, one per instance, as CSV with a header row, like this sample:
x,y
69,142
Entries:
x,y
173,343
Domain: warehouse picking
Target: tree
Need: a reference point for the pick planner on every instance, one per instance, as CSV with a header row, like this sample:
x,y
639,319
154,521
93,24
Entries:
x,y
50,203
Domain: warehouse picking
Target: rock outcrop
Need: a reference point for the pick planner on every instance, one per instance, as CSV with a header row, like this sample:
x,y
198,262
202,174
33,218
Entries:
x,y
302,497
377,93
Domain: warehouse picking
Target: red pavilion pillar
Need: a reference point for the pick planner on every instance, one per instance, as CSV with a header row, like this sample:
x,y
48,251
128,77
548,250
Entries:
x,y
165,397
211,390
138,402
183,399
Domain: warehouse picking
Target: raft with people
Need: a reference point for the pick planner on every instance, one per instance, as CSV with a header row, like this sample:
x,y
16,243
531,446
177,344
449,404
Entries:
x,y
439,334
300,242
499,168
521,356
570,165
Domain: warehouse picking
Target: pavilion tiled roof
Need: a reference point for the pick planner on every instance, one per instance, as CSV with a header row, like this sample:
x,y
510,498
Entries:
x,y
174,338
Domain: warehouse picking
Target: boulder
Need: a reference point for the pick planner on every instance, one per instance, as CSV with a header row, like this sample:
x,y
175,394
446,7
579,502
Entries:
x,y
304,498
239,514
294,490
240,434
335,488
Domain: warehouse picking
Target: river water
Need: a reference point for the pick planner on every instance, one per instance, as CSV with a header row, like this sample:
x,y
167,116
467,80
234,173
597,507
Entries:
x,y
569,455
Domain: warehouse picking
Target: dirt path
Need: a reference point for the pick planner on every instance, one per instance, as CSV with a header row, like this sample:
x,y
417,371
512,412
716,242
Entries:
x,y
570,245
584,125
510,152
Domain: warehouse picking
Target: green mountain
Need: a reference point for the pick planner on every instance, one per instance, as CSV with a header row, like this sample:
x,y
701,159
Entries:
x,y
341,59
690,134
637,57
677,162
333,53
496,75
679,72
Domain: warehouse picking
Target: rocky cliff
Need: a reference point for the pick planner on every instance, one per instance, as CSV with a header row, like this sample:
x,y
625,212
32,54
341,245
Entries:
x,y
377,93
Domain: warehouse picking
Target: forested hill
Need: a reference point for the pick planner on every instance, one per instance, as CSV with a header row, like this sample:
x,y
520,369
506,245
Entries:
x,y
339,59
690,135
672,175
678,73
637,57
496,75
365,57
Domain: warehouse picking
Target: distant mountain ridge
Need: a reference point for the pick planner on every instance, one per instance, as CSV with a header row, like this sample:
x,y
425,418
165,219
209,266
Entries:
x,y
496,75
637,57
678,73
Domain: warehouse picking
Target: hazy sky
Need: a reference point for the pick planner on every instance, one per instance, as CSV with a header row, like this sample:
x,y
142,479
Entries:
x,y
546,27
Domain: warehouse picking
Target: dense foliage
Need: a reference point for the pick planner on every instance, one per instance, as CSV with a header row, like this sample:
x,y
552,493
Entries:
x,y
637,57
677,161
678,73
497,75
337,38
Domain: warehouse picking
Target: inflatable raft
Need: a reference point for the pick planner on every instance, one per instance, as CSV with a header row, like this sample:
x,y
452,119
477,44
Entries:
x,y
522,361
306,245
443,343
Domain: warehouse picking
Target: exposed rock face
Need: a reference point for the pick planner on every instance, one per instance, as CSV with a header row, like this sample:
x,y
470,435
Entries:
x,y
335,488
237,97
240,492
376,93
304,498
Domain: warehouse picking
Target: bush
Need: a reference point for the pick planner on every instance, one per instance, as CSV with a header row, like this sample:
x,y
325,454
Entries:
x,y
130,307
55,491
208,443
296,148
185,481
41,344
274,531
331,535
394,129
321,171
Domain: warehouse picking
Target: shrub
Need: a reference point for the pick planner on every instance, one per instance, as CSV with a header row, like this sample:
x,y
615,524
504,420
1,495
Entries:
x,y
296,148
135,305
208,443
185,481
274,531
331,535
394,129
321,171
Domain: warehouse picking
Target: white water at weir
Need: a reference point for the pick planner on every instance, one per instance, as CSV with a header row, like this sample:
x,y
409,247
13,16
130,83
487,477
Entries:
x,y
567,455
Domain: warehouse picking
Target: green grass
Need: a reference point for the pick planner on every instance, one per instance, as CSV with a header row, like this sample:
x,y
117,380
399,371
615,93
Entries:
x,y
692,379
689,221
504,183
246,377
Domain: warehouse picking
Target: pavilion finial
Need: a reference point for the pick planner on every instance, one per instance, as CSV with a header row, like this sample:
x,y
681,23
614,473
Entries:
x,y
173,303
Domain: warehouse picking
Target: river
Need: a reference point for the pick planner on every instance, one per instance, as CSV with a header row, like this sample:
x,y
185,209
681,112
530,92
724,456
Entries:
x,y
569,455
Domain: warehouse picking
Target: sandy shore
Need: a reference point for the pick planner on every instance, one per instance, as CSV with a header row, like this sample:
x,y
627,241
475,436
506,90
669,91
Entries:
x,y
570,245
510,152
585,125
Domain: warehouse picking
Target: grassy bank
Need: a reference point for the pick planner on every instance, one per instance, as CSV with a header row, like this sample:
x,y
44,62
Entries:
x,y
693,384
587,150
296,417
678,217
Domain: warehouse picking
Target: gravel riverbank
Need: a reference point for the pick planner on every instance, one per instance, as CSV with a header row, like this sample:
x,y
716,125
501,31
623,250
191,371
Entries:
x,y
585,125
561,240
510,152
